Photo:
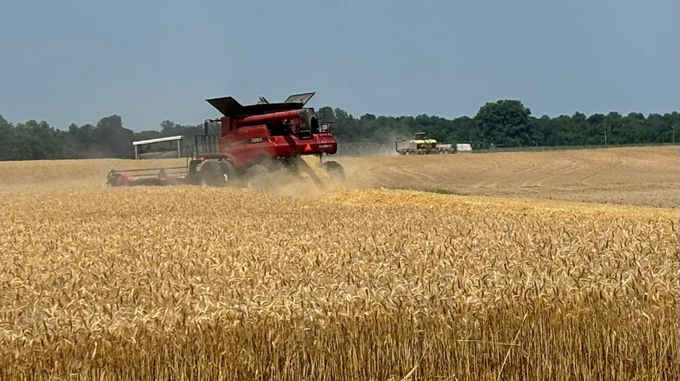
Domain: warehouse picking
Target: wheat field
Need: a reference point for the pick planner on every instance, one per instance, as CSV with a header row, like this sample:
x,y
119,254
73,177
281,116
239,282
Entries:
x,y
186,282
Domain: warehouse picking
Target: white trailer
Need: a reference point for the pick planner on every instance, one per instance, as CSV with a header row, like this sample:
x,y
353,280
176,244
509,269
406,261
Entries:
x,y
463,147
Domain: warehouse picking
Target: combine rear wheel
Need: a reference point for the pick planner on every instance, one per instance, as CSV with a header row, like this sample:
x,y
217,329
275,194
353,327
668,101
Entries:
x,y
213,173
256,177
334,170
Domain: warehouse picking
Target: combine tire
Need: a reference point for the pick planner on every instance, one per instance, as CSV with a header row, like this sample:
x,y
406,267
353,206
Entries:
x,y
334,170
229,172
256,177
213,175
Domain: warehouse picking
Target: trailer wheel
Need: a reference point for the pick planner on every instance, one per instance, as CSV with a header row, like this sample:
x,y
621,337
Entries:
x,y
334,170
213,175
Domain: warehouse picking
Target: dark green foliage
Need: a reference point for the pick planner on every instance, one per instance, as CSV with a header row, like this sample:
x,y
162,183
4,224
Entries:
x,y
506,123
39,141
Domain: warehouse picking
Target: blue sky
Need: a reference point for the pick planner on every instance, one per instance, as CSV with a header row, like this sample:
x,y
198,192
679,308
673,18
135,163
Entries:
x,y
78,61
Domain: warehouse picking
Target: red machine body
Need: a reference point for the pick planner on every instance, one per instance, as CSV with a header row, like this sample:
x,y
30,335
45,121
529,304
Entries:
x,y
245,140
252,141
250,134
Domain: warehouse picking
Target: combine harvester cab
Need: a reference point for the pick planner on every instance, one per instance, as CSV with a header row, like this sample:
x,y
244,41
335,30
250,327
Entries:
x,y
253,141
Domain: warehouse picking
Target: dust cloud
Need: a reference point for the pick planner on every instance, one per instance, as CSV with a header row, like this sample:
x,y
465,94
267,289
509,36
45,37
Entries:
x,y
313,182
45,176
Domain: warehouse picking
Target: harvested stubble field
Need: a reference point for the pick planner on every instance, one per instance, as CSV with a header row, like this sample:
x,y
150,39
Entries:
x,y
645,176
202,283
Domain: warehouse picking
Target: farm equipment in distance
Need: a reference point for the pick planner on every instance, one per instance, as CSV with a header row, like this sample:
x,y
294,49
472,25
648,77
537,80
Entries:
x,y
422,145
253,141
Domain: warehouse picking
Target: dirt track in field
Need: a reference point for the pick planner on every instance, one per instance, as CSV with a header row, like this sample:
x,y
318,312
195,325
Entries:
x,y
640,176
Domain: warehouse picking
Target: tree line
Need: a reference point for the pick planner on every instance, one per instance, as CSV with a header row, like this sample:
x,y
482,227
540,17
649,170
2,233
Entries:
x,y
508,123
505,123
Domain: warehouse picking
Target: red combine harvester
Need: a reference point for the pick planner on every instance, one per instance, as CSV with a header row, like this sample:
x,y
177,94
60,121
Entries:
x,y
253,141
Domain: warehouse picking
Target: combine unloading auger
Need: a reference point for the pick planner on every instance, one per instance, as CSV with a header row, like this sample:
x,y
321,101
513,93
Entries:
x,y
253,141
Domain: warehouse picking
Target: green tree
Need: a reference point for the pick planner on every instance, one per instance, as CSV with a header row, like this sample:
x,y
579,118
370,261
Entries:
x,y
597,125
7,140
505,123
614,123
114,139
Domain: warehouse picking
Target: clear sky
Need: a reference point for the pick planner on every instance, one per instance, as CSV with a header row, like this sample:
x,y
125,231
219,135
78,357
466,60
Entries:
x,y
147,61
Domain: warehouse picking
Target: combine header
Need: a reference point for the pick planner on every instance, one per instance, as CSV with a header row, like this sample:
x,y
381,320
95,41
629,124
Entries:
x,y
253,141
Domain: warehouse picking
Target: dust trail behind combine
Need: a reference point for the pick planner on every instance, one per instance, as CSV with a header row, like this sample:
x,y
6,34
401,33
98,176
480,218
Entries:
x,y
312,180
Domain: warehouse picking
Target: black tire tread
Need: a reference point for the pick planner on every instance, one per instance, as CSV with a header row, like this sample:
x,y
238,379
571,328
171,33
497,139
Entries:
x,y
212,174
